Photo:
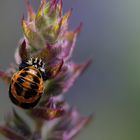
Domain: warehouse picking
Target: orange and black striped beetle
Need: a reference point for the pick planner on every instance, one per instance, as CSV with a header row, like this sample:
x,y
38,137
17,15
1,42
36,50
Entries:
x,y
27,84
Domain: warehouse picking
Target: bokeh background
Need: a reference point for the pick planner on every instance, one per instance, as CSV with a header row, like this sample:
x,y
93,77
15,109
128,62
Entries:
x,y
111,86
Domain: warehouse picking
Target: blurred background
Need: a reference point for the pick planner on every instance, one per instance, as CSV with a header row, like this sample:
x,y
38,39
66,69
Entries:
x,y
111,86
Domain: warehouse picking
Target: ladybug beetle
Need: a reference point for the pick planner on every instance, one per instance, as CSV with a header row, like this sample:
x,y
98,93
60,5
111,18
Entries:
x,y
27,85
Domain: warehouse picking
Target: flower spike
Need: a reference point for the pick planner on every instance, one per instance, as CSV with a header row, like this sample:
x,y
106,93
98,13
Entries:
x,y
43,72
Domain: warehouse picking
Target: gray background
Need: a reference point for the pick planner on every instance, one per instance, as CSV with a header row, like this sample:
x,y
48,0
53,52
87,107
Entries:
x,y
111,86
